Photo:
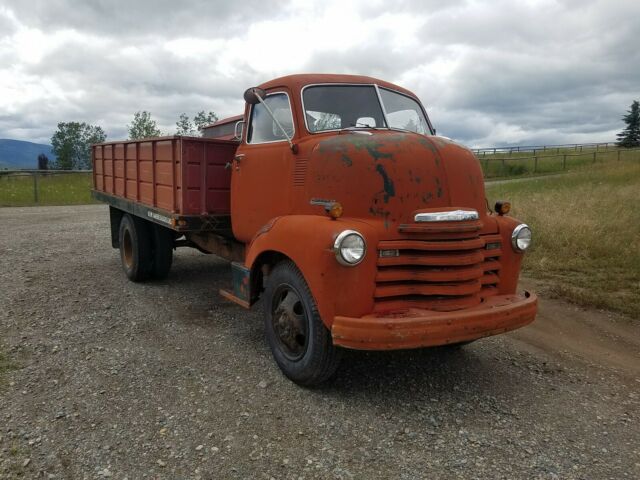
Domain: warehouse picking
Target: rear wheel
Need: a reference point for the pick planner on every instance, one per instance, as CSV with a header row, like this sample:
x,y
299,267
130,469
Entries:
x,y
135,248
299,341
162,246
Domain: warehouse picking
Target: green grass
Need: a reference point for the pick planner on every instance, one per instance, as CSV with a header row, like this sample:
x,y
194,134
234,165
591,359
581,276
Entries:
x,y
550,161
586,227
59,189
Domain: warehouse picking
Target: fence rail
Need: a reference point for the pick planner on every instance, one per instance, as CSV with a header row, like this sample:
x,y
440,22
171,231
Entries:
x,y
29,187
502,165
578,147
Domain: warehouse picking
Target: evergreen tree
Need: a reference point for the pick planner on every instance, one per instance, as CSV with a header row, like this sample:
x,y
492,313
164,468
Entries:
x,y
630,136
143,126
43,162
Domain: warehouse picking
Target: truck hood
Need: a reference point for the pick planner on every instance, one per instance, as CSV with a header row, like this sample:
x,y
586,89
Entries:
x,y
391,176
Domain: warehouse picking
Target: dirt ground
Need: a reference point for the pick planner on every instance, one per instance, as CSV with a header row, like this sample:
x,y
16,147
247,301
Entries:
x,y
168,380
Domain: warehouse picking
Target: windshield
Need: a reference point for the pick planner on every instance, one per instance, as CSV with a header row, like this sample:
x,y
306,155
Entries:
x,y
404,112
334,107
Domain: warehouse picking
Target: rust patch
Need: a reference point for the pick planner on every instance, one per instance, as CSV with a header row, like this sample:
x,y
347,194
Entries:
x,y
389,188
438,187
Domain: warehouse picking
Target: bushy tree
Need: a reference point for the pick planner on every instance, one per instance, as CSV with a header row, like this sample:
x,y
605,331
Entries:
x,y
143,126
203,119
630,136
72,144
184,126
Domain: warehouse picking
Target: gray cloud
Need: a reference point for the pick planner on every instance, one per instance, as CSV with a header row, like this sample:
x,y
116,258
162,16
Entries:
x,y
136,18
496,73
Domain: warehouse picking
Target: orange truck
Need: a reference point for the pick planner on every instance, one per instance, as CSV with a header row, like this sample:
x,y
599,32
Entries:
x,y
334,201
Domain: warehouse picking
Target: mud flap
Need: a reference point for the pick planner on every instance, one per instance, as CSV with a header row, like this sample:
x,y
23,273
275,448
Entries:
x,y
241,281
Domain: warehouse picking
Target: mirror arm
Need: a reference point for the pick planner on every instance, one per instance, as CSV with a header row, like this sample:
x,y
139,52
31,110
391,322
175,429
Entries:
x,y
294,148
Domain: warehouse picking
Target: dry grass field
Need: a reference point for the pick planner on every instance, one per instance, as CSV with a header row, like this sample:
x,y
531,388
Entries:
x,y
586,228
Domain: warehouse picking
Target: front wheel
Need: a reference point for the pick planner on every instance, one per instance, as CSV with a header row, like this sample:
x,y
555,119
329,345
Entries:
x,y
299,341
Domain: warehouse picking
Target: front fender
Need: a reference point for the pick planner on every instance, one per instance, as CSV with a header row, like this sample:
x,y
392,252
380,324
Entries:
x,y
308,241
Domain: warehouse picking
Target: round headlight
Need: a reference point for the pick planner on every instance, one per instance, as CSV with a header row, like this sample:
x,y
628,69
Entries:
x,y
521,238
349,248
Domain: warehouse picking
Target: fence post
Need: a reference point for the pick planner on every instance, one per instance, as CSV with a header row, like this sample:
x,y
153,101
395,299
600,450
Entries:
x,y
564,161
535,164
594,157
618,154
35,187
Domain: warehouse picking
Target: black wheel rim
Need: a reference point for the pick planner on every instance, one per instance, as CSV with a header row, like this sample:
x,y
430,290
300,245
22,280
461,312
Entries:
x,y
289,322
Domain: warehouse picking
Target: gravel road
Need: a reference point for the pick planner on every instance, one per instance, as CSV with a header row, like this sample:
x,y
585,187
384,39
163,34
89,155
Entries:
x,y
168,380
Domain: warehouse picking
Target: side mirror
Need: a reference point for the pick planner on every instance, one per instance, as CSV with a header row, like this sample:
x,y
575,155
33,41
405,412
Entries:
x,y
238,129
253,95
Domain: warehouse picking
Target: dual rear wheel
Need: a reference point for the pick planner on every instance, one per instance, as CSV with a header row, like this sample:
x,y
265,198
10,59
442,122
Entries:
x,y
146,249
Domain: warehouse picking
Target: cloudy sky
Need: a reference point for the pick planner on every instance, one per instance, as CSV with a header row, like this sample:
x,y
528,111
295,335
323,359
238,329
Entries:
x,y
489,73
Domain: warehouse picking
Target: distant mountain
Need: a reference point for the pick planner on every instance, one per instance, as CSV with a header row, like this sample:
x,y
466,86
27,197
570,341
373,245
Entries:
x,y
15,154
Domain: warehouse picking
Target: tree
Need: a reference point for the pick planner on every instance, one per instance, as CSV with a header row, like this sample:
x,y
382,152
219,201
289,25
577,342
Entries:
x,y
72,144
143,126
630,136
43,162
185,127
203,119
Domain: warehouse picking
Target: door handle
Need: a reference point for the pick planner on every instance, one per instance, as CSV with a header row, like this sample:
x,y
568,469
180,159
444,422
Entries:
x,y
237,158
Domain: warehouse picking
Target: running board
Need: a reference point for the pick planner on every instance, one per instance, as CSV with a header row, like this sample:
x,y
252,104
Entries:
x,y
241,281
230,296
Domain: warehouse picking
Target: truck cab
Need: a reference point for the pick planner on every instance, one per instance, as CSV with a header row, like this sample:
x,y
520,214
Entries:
x,y
342,179
340,207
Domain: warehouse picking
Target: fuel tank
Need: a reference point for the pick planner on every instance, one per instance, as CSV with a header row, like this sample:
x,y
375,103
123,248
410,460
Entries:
x,y
391,176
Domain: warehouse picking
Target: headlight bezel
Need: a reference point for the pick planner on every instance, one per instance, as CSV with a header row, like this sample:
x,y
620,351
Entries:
x,y
515,236
337,248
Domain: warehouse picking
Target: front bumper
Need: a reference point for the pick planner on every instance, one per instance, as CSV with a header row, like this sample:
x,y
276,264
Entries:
x,y
415,328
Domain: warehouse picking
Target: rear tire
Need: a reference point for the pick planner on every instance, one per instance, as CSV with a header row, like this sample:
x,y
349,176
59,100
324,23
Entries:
x,y
300,343
135,248
162,243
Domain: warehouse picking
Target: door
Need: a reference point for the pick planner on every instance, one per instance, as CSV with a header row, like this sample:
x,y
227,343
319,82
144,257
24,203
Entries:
x,y
261,170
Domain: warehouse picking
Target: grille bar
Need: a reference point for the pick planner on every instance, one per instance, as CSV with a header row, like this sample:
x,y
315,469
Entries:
x,y
393,274
434,259
464,244
458,288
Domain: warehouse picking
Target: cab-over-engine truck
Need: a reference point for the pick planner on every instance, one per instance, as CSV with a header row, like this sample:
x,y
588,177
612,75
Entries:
x,y
339,205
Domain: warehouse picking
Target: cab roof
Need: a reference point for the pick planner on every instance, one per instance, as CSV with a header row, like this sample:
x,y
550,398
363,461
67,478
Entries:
x,y
298,81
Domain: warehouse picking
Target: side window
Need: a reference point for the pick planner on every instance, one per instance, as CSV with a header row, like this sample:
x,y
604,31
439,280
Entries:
x,y
262,128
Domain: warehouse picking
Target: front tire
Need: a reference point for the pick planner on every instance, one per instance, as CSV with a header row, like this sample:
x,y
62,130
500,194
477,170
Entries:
x,y
300,343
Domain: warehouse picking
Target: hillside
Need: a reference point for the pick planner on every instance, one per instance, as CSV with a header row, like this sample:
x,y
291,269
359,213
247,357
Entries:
x,y
16,154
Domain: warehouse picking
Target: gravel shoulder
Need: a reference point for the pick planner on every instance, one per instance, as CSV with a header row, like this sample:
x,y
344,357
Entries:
x,y
168,380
